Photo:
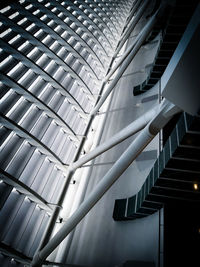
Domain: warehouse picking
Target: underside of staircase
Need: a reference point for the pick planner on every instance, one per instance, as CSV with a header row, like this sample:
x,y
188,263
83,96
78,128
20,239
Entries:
x,y
171,27
174,177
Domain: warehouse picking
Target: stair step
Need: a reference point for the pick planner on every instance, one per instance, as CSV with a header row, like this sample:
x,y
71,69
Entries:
x,y
172,38
159,68
176,28
183,164
176,184
187,152
165,54
167,46
152,80
156,75
139,264
171,192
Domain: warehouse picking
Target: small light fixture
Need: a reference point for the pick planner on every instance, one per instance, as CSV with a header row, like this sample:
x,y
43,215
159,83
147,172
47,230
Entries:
x,y
138,104
195,186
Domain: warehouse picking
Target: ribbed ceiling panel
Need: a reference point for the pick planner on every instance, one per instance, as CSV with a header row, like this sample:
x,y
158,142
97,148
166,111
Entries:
x,y
53,56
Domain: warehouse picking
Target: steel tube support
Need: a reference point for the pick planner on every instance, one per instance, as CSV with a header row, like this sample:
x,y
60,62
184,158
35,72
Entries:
x,y
136,147
119,63
133,23
131,129
147,29
114,173
133,10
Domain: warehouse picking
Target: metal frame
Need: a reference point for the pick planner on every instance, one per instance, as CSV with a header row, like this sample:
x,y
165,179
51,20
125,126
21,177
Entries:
x,y
8,123
49,30
33,40
131,27
39,103
167,111
27,191
40,72
43,48
87,5
132,51
132,12
62,64
95,26
61,7
70,174
128,131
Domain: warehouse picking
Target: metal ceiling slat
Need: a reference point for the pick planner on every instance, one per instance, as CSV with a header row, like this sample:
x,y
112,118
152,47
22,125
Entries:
x,y
33,40
33,140
64,65
25,190
38,102
91,3
30,64
95,25
48,29
40,113
60,22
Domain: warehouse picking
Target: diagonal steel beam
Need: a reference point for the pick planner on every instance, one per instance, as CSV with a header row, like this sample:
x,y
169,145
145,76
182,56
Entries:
x,y
136,147
128,131
127,60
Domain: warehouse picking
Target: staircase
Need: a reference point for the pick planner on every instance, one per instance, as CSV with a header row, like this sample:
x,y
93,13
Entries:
x,y
174,178
172,27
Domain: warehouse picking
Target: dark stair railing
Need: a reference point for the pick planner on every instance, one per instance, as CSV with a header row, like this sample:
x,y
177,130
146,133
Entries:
x,y
172,26
174,178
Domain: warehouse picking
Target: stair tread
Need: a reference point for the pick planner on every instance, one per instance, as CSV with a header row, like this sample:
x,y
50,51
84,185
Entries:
x,y
139,264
